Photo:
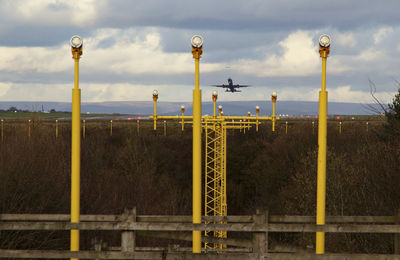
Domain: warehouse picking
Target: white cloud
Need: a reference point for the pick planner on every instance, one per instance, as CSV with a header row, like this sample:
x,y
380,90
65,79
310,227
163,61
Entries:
x,y
345,39
38,59
131,52
4,87
299,58
136,52
346,94
381,34
61,12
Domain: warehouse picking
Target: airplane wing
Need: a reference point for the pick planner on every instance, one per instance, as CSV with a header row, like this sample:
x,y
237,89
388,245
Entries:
x,y
220,86
242,86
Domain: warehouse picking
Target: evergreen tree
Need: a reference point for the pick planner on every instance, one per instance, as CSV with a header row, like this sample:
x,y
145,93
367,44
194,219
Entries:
x,y
392,114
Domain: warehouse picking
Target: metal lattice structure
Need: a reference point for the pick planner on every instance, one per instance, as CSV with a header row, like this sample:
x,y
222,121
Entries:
x,y
215,200
215,132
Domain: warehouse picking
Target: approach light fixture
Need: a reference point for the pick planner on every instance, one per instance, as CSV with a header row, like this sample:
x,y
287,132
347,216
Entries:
x,y
183,107
155,92
257,108
215,93
197,41
220,107
274,94
76,41
324,40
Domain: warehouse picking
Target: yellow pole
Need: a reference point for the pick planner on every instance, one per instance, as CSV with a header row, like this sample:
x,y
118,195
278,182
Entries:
x,y
110,127
29,129
313,126
165,128
214,98
138,127
248,121
2,130
56,128
155,97
286,123
257,112
365,124
196,153
273,113
322,140
340,127
75,152
84,129
183,122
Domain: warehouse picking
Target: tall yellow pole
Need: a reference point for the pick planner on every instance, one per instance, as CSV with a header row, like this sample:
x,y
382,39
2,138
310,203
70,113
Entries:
x,y
322,140
183,114
273,98
257,112
2,130
56,128
155,97
84,129
214,99
196,51
110,127
248,124
75,148
340,127
29,129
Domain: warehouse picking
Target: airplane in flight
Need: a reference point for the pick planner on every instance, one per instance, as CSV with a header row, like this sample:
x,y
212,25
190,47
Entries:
x,y
231,87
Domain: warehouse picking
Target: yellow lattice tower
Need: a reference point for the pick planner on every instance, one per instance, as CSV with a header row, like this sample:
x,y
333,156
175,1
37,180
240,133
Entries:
x,y
215,132
215,193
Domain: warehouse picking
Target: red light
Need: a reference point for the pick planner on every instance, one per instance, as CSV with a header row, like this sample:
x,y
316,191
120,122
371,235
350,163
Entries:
x,y
129,118
338,117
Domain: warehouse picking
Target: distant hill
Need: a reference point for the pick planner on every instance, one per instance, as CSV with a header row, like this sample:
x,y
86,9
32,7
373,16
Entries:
x,y
295,108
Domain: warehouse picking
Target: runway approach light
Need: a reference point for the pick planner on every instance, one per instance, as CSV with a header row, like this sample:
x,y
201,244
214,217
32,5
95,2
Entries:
x,y
76,41
197,41
274,94
324,40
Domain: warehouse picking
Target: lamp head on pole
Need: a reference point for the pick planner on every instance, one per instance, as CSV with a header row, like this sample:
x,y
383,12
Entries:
x,y
76,46
155,95
324,45
197,46
214,95
183,109
257,109
248,113
274,96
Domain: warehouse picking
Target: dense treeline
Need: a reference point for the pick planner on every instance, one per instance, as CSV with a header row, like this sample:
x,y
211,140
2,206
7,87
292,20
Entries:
x,y
274,171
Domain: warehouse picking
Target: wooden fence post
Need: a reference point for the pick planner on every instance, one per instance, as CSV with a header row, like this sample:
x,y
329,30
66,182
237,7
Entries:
x,y
260,239
128,237
397,235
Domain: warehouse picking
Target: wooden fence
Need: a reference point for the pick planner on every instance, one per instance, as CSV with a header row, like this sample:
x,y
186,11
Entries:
x,y
179,227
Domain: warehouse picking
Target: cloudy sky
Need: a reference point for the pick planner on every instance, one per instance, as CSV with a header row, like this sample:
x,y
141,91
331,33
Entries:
x,y
133,47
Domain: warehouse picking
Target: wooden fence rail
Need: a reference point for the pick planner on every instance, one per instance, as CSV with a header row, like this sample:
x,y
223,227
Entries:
x,y
179,227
